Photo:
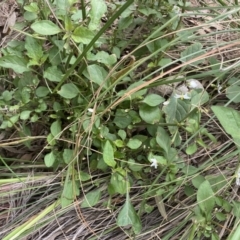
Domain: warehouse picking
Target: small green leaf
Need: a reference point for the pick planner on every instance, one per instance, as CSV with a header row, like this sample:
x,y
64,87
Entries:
x,y
233,93
82,35
122,119
42,91
229,119
25,115
122,134
70,191
68,91
191,52
56,129
191,149
119,143
134,143
103,57
205,198
153,100
149,114
98,8
91,198
53,74
13,120
220,216
176,111
134,166
199,98
84,176
119,182
45,27
97,74
197,181
34,50
33,7
128,216
49,159
68,155
7,96
108,154
163,139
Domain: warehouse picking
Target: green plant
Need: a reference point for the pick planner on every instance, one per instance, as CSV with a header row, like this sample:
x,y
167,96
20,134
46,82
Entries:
x,y
84,81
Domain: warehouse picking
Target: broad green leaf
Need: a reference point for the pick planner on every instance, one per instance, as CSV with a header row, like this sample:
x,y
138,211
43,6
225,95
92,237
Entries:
x,y
163,139
67,194
164,61
12,120
161,206
229,119
197,181
42,91
91,198
103,57
68,90
122,119
108,154
96,74
18,64
119,182
30,16
149,114
199,98
33,7
25,114
98,8
53,74
119,143
191,149
51,140
106,58
233,93
176,111
70,191
139,94
217,182
7,96
153,100
205,198
67,155
128,216
122,134
191,52
45,27
82,35
84,176
134,143
56,129
134,166
49,159
221,216
34,49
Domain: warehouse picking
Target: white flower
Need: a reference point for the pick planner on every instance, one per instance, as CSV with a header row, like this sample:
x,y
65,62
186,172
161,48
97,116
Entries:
x,y
185,96
219,88
194,84
90,110
154,162
238,178
166,103
176,9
